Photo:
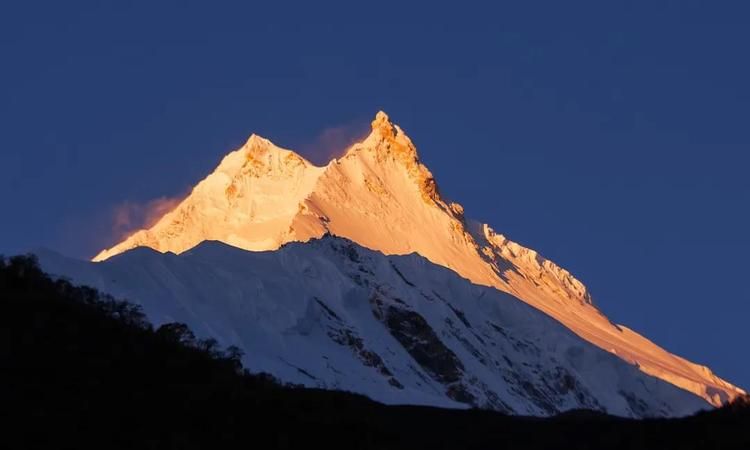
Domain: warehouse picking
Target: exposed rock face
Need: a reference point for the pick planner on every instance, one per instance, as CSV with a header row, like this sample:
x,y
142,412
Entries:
x,y
382,197
420,341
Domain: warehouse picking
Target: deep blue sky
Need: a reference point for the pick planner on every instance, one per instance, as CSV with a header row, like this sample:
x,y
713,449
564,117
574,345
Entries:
x,y
613,139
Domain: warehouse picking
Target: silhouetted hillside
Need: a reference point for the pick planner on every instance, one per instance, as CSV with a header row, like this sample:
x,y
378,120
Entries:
x,y
82,370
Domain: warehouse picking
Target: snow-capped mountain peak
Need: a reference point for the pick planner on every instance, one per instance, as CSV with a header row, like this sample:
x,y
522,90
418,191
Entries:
x,y
383,125
259,157
382,197
386,135
249,201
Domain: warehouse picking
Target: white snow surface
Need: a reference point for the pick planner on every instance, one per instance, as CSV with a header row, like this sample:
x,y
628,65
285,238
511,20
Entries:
x,y
382,197
329,313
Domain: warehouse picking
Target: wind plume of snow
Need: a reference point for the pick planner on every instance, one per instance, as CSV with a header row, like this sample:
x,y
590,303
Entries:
x,y
333,141
130,216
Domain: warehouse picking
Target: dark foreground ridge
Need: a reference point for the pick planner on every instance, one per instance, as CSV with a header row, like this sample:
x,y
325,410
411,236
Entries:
x,y
83,370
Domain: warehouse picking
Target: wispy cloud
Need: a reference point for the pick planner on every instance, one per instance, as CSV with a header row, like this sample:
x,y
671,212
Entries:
x,y
129,216
333,141
85,234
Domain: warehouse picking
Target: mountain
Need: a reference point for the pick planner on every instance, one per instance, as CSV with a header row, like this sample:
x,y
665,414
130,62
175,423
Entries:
x,y
331,314
382,197
93,373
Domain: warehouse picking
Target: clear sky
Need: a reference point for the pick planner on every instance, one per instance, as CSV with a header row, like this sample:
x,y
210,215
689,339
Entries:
x,y
613,139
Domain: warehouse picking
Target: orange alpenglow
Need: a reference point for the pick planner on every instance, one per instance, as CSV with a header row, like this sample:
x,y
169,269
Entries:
x,y
382,197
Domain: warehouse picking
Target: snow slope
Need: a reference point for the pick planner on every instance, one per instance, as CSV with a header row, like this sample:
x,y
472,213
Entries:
x,y
329,313
382,197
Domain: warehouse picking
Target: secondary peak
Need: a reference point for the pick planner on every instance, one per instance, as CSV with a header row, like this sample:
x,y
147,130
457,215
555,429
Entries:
x,y
257,142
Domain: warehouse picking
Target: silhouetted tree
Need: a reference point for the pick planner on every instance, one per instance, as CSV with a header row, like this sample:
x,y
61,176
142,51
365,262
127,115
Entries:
x,y
234,355
176,332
